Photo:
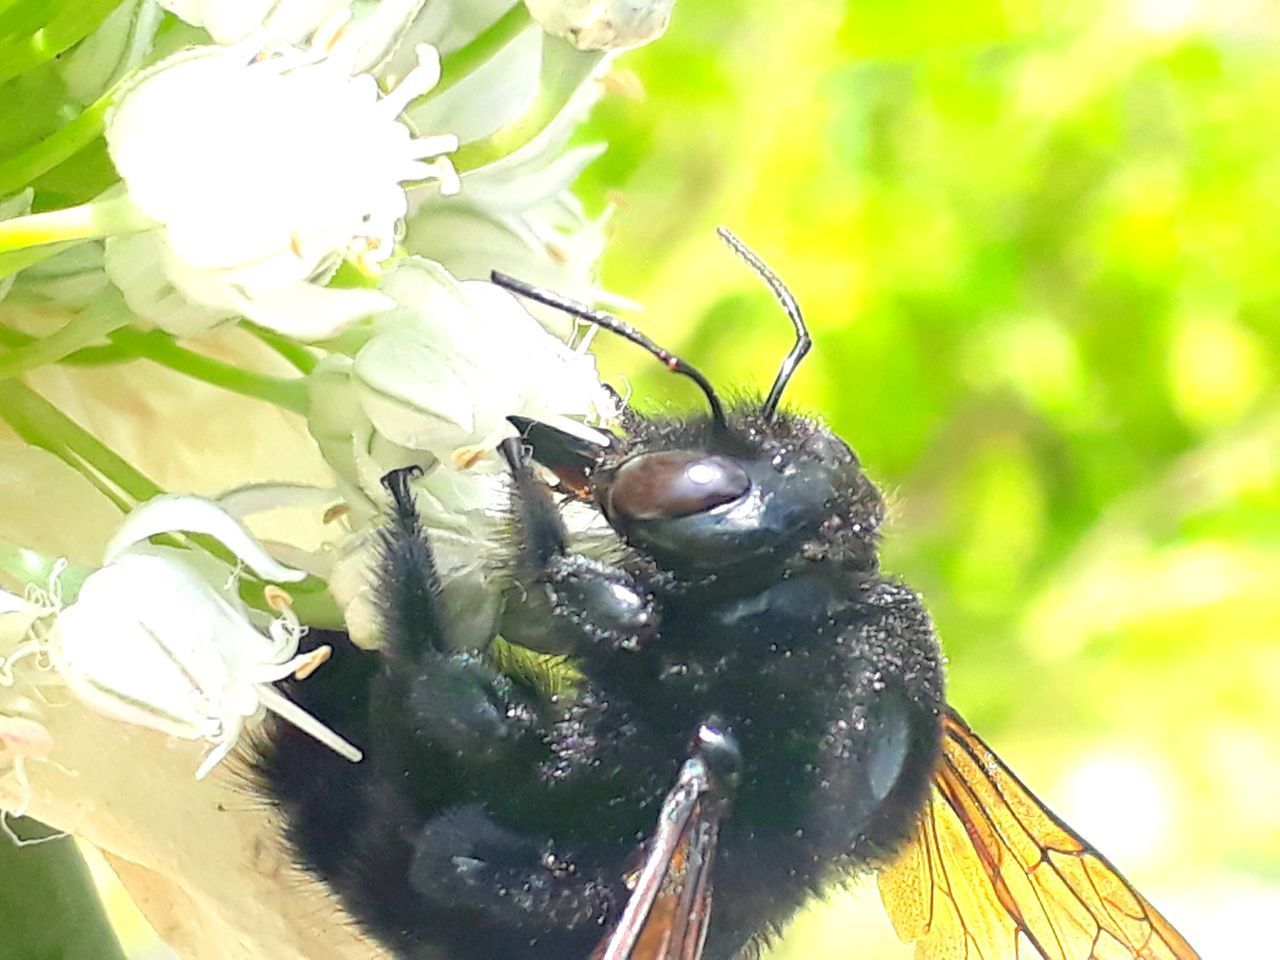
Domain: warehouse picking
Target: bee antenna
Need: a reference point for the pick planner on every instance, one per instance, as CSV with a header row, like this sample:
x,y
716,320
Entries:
x,y
803,341
623,329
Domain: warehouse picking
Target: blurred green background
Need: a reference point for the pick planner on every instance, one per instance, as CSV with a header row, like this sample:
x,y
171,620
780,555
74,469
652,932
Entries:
x,y
1039,246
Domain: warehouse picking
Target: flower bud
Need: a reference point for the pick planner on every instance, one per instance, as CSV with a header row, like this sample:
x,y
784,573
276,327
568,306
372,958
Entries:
x,y
603,24
159,638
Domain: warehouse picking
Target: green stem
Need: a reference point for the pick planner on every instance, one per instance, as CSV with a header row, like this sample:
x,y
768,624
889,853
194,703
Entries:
x,y
17,172
25,430
86,221
159,347
11,261
95,356
462,62
564,70
349,341
51,907
77,332
99,356
299,355
13,339
42,424
35,32
26,566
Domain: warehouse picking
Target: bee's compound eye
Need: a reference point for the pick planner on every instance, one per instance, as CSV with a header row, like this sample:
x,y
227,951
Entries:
x,y
679,483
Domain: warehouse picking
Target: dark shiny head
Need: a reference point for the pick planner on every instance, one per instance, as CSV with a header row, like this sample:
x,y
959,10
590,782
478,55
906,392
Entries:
x,y
742,488
769,492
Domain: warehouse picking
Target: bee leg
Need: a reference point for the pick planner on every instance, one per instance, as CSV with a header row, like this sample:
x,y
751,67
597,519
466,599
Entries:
x,y
565,602
464,862
409,587
451,697
439,840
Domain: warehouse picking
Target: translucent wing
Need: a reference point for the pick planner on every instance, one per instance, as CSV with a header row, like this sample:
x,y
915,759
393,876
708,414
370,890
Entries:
x,y
993,875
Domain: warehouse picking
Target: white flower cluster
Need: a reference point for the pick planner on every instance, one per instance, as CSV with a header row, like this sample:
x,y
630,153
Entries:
x,y
264,171
320,181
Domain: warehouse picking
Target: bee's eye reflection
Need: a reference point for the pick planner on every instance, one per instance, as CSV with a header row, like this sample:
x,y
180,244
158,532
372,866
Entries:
x,y
669,485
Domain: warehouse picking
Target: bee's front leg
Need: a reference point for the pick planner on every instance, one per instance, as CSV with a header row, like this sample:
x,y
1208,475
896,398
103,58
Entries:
x,y
429,695
452,788
564,602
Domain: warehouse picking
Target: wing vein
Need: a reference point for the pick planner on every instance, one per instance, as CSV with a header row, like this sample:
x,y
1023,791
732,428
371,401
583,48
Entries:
x,y
981,844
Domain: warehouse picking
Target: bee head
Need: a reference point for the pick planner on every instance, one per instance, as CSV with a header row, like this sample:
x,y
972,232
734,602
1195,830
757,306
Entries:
x,y
768,491
741,488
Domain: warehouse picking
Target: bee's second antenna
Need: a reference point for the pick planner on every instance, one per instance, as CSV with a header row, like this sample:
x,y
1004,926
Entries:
x,y
803,341
623,329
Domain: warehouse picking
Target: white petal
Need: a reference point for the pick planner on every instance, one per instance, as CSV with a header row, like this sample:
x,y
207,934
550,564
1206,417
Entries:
x,y
257,498
74,278
310,312
415,393
383,29
278,704
136,265
267,169
119,44
230,21
603,24
16,617
493,94
139,645
334,416
425,289
472,241
522,189
172,513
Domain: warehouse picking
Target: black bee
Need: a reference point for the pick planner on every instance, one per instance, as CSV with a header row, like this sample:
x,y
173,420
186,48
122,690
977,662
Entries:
x,y
734,709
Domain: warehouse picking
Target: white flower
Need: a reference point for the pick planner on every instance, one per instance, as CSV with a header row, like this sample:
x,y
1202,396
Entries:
x,y
16,616
379,27
433,387
448,367
553,245
515,214
495,93
230,21
121,43
160,639
265,170
603,24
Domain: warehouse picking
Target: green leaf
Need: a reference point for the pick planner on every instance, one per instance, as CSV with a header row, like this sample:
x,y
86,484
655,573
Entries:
x,y
49,906
33,32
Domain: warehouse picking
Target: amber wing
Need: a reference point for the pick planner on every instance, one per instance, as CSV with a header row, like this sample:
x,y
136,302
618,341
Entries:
x,y
669,909
993,875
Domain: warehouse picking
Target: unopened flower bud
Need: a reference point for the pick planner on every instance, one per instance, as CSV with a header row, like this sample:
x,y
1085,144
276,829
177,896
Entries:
x,y
603,24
